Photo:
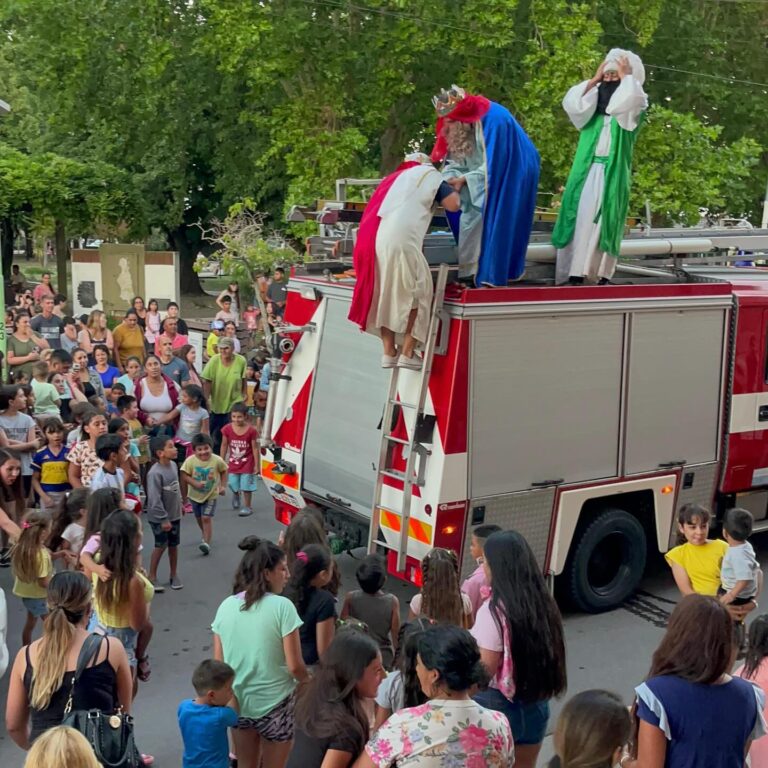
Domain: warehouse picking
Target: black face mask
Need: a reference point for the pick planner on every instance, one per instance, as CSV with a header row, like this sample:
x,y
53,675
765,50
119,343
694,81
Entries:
x,y
604,92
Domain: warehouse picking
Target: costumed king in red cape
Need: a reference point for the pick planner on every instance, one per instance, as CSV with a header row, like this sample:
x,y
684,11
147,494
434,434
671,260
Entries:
x,y
493,165
393,291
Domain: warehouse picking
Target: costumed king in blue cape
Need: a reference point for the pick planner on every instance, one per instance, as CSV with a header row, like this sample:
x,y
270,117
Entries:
x,y
608,111
493,165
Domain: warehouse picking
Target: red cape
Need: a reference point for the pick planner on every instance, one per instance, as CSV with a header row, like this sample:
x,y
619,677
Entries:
x,y
364,255
469,110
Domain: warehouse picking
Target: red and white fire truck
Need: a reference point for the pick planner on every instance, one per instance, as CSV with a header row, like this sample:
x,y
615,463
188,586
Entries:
x,y
583,417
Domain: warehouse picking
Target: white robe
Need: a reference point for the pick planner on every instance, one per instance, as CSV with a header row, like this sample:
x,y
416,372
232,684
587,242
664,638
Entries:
x,y
582,257
403,280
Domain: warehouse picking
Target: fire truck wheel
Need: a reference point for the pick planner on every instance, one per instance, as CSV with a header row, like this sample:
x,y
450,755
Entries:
x,y
606,562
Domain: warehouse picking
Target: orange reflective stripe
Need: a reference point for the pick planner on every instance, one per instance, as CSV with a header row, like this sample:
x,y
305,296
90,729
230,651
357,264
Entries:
x,y
268,473
416,528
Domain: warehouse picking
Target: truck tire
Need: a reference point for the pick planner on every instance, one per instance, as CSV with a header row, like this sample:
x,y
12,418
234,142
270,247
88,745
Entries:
x,y
606,562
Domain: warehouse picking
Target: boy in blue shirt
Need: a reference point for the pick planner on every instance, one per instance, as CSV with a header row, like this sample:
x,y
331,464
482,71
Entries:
x,y
204,720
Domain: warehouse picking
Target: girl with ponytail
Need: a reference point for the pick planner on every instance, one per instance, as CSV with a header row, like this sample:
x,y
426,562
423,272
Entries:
x,y
310,572
32,569
42,674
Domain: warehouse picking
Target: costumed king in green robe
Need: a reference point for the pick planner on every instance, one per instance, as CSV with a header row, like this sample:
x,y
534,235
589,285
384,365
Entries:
x,y
608,111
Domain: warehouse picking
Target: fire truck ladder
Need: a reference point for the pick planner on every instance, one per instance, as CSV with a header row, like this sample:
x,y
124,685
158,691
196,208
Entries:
x,y
411,445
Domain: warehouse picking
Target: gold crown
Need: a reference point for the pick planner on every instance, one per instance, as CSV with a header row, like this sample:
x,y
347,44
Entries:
x,y
446,101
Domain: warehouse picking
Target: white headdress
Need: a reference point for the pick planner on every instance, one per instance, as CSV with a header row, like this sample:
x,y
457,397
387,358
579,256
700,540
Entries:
x,y
612,63
418,157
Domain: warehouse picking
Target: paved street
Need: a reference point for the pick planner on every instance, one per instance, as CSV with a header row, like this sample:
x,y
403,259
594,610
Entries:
x,y
612,650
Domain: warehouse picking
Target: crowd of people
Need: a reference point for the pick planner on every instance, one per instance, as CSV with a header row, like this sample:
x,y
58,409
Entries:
x,y
101,427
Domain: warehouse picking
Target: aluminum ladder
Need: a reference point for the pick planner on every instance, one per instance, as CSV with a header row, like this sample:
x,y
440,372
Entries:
x,y
389,442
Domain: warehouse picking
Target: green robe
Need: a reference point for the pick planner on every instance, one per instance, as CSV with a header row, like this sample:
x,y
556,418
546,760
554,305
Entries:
x,y
618,180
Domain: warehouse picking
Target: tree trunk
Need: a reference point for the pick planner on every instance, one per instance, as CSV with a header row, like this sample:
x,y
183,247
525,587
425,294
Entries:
x,y
60,245
29,244
183,241
6,245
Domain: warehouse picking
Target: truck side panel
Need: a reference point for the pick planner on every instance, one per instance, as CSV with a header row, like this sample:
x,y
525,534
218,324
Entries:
x,y
546,400
343,438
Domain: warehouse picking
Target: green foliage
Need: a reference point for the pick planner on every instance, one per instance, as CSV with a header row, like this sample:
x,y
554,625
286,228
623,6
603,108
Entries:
x,y
243,249
677,154
79,195
205,103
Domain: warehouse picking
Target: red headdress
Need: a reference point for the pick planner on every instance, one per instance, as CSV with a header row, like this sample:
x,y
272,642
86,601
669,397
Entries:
x,y
457,105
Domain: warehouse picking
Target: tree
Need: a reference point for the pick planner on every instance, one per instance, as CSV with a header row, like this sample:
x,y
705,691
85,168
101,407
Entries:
x,y
207,102
76,195
246,254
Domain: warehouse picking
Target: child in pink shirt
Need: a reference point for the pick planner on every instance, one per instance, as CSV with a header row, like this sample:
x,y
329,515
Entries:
x,y
472,586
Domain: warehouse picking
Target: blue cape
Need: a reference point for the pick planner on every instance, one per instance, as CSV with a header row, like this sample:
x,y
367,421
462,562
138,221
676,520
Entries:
x,y
513,178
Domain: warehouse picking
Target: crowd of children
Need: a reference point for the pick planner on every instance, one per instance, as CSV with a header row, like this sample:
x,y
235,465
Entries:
x,y
305,677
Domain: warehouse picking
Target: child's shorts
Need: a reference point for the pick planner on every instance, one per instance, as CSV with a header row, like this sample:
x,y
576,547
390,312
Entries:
x,y
165,539
204,508
239,483
37,606
277,724
127,636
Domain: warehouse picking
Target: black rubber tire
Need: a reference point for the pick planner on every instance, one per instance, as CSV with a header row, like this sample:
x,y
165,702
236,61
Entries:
x,y
606,562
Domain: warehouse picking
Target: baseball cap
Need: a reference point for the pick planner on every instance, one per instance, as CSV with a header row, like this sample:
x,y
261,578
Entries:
x,y
217,325
225,342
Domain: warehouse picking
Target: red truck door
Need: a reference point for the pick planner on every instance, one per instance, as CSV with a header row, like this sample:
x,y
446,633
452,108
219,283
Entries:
x,y
746,456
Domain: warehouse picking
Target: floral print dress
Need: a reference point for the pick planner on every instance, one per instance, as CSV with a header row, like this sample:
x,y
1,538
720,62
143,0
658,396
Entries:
x,y
443,733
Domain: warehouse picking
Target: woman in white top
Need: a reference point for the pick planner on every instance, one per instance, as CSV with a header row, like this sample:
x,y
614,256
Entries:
x,y
157,397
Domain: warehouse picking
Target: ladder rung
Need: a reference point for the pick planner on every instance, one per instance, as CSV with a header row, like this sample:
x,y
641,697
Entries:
x,y
404,405
384,545
399,440
393,473
389,509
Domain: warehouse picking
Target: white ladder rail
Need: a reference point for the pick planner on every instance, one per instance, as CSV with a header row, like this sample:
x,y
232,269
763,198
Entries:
x,y
388,441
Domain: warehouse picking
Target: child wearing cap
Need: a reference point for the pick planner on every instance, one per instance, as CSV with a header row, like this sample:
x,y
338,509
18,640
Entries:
x,y
211,345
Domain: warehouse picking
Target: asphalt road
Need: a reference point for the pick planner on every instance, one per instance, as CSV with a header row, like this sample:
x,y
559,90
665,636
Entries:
x,y
612,650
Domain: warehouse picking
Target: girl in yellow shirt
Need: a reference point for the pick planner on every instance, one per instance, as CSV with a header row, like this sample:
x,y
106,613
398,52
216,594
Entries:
x,y
696,563
32,569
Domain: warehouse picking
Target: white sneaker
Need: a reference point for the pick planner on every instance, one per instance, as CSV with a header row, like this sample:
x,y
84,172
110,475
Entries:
x,y
388,361
205,547
412,363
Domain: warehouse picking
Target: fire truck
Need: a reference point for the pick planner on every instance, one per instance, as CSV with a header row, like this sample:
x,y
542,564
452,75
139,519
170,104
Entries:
x,y
583,417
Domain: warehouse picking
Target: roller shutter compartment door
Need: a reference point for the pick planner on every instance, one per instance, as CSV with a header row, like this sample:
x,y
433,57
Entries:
x,y
675,381
545,400
343,438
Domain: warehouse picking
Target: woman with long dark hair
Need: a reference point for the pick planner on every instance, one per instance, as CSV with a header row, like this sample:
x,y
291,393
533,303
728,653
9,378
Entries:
x,y
41,677
401,687
520,634
451,728
755,670
689,710
188,354
256,632
310,572
11,502
349,673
